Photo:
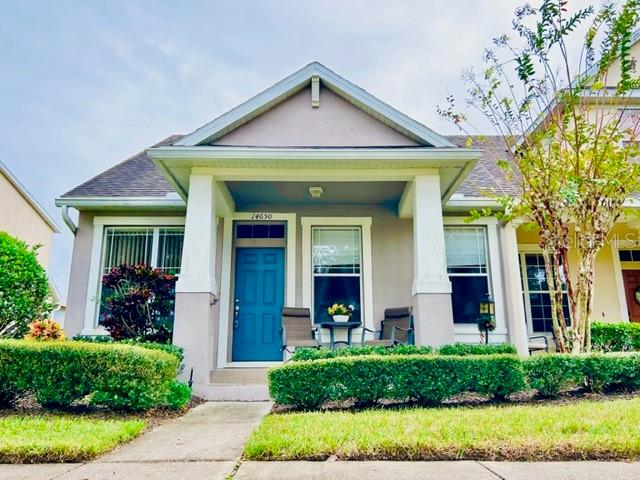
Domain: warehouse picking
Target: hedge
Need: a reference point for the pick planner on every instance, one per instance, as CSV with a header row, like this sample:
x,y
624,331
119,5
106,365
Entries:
x,y
615,337
429,379
165,347
356,351
121,377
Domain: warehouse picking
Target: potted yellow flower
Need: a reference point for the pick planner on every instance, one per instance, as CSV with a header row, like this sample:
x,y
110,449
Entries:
x,y
340,312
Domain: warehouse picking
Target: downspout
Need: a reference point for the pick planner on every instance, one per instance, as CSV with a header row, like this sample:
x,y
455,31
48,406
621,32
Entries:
x,y
67,219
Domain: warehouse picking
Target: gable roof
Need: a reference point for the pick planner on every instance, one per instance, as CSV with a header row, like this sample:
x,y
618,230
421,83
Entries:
x,y
29,198
290,85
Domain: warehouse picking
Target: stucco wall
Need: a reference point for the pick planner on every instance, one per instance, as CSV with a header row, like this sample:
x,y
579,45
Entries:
x,y
335,123
18,218
606,305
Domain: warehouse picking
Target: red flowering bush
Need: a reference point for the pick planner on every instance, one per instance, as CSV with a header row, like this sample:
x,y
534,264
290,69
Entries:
x,y
138,303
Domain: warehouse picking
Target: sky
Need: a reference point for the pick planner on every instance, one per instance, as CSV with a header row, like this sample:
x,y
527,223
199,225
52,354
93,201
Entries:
x,y
85,84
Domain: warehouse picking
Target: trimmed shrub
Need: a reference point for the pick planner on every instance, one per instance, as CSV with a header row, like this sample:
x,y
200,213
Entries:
x,y
614,371
429,379
615,337
24,287
357,351
552,373
477,349
59,373
170,348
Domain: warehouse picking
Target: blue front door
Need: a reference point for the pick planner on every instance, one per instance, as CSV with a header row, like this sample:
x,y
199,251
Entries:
x,y
258,301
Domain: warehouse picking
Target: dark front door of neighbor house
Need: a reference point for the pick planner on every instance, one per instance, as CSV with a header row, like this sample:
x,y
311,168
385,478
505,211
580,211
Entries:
x,y
631,284
258,301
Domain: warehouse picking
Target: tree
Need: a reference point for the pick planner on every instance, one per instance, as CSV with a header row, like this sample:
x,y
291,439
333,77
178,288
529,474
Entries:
x,y
572,136
24,287
138,303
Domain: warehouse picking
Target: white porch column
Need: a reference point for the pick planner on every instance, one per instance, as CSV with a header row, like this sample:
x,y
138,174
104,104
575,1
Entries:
x,y
514,302
433,314
196,314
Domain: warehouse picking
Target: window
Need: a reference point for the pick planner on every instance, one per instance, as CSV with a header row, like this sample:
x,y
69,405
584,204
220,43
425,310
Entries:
x,y
466,249
159,247
337,273
260,230
629,255
536,291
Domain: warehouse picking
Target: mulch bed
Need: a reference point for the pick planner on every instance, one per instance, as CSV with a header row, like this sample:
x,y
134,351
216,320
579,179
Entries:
x,y
27,405
473,400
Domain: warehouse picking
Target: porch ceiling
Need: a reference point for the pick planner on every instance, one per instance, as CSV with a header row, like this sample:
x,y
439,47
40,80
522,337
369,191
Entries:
x,y
335,193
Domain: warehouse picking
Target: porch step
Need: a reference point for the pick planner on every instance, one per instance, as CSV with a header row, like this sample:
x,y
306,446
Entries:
x,y
239,376
234,393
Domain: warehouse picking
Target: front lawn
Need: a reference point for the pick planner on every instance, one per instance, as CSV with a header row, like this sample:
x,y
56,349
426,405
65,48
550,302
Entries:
x,y
580,430
62,438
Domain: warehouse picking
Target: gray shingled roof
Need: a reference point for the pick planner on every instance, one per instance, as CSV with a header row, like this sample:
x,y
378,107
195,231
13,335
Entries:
x,y
486,176
137,176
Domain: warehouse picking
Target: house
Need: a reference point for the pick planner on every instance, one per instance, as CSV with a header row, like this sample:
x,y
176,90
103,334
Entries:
x,y
314,192
23,217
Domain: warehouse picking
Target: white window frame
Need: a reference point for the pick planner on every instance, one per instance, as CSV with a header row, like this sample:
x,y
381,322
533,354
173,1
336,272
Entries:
x,y
365,261
524,249
351,275
468,333
91,326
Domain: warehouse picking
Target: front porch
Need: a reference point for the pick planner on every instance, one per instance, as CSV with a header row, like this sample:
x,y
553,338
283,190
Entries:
x,y
374,238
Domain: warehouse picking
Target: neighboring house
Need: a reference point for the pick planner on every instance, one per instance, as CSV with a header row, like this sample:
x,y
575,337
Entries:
x,y
23,217
312,192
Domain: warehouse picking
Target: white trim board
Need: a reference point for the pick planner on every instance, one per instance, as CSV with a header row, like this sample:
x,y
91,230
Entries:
x,y
367,265
224,344
90,326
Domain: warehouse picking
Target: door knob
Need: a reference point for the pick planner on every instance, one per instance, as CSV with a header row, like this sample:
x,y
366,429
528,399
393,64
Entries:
x,y
236,310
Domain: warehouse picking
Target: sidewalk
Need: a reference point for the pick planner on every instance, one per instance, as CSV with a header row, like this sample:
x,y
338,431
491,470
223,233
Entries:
x,y
207,443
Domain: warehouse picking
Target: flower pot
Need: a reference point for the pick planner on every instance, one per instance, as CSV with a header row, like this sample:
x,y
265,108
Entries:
x,y
340,318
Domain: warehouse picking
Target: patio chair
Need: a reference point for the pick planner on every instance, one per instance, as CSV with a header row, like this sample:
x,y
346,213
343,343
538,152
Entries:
x,y
538,343
297,330
396,328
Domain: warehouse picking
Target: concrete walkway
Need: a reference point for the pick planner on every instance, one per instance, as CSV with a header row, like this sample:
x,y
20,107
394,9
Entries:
x,y
207,442
438,471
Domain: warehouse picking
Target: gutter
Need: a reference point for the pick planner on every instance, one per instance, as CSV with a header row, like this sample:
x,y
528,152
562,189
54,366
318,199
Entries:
x,y
67,219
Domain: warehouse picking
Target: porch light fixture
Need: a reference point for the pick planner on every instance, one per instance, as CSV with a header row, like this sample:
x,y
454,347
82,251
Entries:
x,y
316,192
487,316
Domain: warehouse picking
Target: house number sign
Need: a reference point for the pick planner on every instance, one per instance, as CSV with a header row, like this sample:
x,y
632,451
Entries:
x,y
262,216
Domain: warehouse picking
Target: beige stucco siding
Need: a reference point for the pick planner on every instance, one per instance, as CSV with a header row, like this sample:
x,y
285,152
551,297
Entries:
x,y
335,123
20,219
79,274
607,304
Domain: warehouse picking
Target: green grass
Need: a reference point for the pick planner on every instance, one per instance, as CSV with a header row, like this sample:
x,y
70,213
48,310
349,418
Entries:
x,y
571,431
61,438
